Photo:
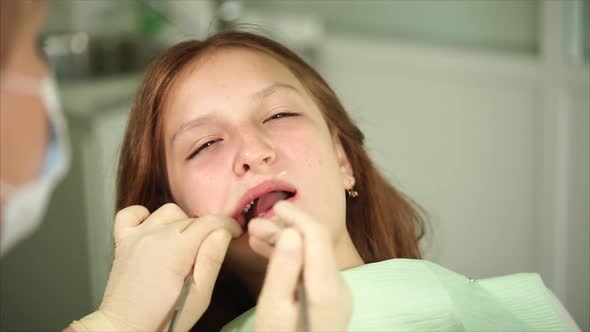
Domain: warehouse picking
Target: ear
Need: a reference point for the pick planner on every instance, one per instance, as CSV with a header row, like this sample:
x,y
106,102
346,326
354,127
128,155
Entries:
x,y
343,163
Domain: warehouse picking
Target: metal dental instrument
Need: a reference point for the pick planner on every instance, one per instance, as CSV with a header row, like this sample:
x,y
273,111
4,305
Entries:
x,y
303,322
303,310
188,281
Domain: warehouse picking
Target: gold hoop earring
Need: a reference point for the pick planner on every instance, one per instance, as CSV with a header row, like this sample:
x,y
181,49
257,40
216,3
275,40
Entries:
x,y
352,193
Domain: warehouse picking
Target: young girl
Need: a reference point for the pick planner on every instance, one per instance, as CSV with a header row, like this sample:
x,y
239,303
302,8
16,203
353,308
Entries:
x,y
230,126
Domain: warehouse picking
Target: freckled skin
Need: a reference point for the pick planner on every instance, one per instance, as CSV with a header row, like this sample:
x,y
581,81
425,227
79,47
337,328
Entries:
x,y
220,87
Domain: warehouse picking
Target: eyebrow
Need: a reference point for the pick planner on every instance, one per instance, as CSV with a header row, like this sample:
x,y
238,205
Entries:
x,y
269,90
261,94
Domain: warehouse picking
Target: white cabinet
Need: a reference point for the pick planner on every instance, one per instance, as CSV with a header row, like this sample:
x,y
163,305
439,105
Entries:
x,y
101,108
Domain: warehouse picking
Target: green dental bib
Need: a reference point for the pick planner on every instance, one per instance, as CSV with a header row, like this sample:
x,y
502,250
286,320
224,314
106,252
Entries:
x,y
417,295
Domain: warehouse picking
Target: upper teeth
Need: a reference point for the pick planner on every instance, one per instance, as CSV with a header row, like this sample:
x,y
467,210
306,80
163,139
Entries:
x,y
247,207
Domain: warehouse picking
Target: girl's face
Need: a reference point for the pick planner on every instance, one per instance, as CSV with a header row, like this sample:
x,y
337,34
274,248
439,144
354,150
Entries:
x,y
239,127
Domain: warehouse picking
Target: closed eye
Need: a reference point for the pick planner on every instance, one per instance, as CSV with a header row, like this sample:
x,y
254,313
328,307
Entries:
x,y
280,115
202,147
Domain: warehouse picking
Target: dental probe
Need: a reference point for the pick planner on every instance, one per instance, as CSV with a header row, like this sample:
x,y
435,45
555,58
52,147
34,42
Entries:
x,y
303,313
181,300
301,295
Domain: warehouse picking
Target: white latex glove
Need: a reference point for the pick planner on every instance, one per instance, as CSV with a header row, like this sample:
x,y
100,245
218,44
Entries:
x,y
153,255
305,244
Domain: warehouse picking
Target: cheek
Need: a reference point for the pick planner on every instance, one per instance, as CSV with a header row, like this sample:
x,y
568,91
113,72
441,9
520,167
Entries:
x,y
316,168
320,173
303,143
313,154
204,188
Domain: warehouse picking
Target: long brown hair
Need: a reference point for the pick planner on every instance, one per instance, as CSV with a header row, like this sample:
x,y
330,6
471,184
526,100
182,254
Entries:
x,y
382,222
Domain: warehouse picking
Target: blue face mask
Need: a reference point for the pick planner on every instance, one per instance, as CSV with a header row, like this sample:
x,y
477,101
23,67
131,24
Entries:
x,y
24,206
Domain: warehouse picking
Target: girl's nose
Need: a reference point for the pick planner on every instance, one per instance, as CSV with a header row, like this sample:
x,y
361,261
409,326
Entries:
x,y
256,153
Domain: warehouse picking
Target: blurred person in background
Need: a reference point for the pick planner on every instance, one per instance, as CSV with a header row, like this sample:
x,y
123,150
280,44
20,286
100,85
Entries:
x,y
34,152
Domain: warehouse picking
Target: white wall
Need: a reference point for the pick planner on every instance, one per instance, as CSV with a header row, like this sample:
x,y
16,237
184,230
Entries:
x,y
578,226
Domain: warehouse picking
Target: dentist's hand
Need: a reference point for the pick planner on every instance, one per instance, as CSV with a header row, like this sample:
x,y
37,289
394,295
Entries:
x,y
153,255
305,244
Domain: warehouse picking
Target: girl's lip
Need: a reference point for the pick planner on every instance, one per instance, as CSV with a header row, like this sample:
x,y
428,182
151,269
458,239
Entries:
x,y
268,214
257,191
271,213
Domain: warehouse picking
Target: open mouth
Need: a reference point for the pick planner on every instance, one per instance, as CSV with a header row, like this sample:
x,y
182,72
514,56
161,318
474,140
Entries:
x,y
261,205
259,200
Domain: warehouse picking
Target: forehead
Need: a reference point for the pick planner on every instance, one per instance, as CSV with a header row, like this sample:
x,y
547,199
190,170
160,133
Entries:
x,y
226,76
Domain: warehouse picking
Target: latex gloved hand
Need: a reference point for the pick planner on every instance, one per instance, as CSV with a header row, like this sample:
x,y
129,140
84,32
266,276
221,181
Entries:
x,y
153,255
305,244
